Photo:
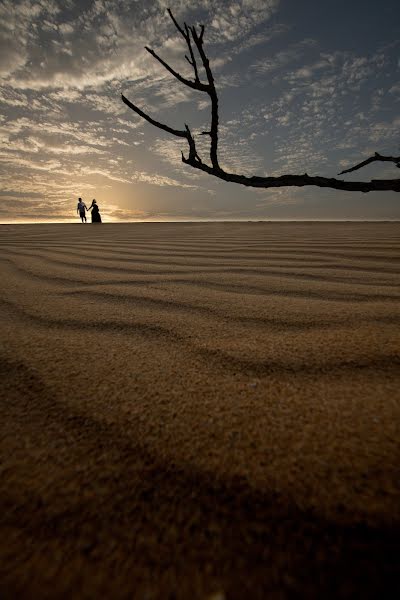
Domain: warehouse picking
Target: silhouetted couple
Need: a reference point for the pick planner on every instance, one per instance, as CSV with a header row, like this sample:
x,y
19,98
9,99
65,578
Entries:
x,y
82,208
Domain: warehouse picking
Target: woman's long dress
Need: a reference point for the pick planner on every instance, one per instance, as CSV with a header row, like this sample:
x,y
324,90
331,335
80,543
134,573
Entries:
x,y
96,218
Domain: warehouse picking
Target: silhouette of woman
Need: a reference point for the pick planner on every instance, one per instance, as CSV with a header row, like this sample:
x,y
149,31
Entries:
x,y
96,218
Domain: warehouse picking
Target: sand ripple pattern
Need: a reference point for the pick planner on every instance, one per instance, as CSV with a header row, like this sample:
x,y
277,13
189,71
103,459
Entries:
x,y
249,366
239,291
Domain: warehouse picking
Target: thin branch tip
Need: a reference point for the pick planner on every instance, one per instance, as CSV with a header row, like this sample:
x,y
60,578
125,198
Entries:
x,y
377,157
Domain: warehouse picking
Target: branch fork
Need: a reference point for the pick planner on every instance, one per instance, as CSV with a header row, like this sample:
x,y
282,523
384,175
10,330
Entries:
x,y
194,40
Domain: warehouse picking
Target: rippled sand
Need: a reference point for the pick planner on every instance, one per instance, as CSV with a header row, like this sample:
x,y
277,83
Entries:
x,y
200,409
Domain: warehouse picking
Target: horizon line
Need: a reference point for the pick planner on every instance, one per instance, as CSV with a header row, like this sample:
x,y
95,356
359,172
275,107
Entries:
x,y
310,220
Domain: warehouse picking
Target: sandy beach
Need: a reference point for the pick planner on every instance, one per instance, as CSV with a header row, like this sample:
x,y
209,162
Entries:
x,y
206,411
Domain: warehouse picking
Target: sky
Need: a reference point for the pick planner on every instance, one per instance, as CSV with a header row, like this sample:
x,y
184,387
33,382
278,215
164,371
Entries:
x,y
304,86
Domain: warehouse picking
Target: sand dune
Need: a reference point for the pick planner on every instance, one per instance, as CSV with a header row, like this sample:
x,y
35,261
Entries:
x,y
194,409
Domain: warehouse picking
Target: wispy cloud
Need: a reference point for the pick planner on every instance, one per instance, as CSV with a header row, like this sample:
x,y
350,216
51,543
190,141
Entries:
x,y
290,101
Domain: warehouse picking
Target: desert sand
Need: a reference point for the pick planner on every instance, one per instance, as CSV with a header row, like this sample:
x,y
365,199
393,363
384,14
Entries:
x,y
200,410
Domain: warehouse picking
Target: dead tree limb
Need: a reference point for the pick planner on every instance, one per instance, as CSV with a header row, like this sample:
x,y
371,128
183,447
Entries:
x,y
376,157
194,41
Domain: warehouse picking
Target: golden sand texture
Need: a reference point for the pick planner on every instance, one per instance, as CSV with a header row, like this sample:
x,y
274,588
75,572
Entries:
x,y
200,410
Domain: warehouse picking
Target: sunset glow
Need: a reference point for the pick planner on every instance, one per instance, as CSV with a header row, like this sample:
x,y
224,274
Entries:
x,y
303,88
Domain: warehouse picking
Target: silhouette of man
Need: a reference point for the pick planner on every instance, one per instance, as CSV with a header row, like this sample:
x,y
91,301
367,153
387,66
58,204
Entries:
x,y
81,209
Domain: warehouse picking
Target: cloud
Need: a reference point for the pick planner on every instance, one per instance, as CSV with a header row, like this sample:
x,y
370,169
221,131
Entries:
x,y
261,37
105,42
395,91
234,21
289,102
18,19
294,53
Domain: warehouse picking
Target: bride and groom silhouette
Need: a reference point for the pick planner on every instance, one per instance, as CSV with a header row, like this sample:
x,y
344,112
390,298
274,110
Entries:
x,y
82,208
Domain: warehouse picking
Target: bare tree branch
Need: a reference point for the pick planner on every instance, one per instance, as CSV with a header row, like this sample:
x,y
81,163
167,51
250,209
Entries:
x,y
186,35
190,34
175,22
377,185
212,92
376,157
142,114
201,33
195,85
192,60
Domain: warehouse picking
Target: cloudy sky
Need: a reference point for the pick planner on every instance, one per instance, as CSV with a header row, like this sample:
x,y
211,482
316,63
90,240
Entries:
x,y
304,85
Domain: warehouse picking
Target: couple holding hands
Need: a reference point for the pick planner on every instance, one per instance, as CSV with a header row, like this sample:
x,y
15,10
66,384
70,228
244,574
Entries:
x,y
82,208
